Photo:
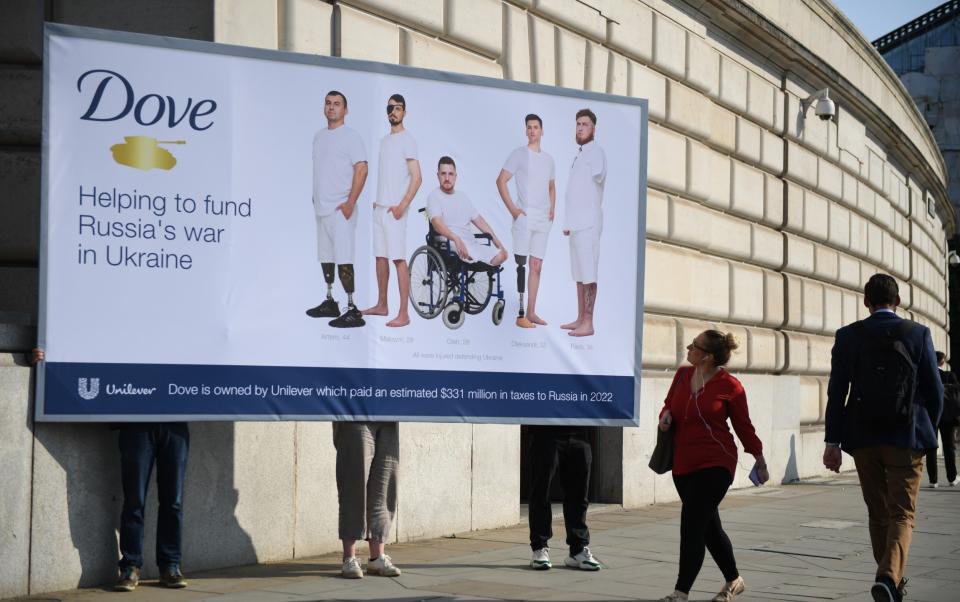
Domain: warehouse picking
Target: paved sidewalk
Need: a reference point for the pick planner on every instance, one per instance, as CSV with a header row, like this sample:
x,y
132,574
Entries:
x,y
805,541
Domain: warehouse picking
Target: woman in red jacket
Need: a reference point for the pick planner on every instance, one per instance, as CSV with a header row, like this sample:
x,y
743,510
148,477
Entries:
x,y
701,398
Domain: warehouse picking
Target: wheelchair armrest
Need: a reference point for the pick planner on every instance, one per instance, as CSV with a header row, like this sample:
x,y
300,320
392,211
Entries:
x,y
422,210
483,235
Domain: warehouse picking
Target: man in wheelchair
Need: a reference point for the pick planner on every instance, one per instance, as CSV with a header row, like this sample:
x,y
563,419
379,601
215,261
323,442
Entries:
x,y
451,213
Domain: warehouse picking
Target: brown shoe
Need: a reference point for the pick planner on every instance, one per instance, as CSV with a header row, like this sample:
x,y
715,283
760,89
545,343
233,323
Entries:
x,y
129,579
172,577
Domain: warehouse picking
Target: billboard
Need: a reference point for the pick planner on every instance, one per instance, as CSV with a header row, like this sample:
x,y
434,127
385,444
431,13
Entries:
x,y
217,219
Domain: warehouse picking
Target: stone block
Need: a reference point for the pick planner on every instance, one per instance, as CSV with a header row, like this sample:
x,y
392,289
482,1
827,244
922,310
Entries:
x,y
723,129
851,134
659,342
575,15
647,83
733,84
424,15
21,32
305,26
421,51
316,487
669,46
16,457
832,309
495,470
875,243
773,200
633,31
434,479
850,304
876,166
517,44
766,350
252,23
849,190
773,299
820,347
597,64
797,353
812,303
708,175
639,482
771,152
477,24
760,100
703,65
746,293
801,165
883,212
766,246
747,186
794,208
20,105
658,215
688,110
858,235
618,75
779,112
20,209
748,140
810,407
364,36
571,60
193,19
816,216
684,282
799,254
848,271
543,41
839,227
667,154
826,263
698,227
740,356
829,179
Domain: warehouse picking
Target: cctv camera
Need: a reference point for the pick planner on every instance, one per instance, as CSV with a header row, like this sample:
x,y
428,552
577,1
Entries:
x,y
826,109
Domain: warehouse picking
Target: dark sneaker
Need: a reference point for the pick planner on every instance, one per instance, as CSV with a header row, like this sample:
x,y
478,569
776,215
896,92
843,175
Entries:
x,y
129,579
327,309
172,577
885,590
351,318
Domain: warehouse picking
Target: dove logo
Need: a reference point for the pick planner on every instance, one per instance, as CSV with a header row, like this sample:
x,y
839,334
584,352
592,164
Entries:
x,y
88,392
114,98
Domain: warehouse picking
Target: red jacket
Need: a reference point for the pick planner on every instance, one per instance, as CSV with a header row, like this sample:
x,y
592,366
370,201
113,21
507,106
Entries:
x,y
702,438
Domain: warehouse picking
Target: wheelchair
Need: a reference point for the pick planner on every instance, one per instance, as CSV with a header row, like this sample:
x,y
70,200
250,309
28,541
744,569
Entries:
x,y
442,284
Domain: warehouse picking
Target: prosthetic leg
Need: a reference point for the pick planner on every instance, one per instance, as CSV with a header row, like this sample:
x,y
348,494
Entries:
x,y
351,318
329,308
521,260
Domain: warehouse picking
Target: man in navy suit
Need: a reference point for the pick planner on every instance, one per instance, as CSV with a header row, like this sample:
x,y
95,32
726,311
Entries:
x,y
888,453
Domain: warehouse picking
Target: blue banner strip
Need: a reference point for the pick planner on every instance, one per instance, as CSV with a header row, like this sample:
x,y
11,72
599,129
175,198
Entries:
x,y
84,391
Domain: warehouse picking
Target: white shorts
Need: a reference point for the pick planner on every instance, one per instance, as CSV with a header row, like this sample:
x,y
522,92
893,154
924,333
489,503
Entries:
x,y
527,241
478,250
335,237
584,254
389,234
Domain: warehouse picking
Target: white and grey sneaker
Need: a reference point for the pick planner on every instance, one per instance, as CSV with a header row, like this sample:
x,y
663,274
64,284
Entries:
x,y
676,596
351,569
541,559
382,566
583,561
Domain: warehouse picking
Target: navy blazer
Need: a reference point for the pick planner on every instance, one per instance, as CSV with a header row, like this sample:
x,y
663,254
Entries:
x,y
927,399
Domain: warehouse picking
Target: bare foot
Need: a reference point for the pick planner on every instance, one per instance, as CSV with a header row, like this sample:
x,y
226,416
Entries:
x,y
376,310
399,321
571,326
584,330
536,319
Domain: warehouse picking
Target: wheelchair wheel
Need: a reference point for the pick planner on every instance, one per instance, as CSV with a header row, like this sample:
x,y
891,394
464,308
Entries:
x,y
428,283
497,314
479,285
453,316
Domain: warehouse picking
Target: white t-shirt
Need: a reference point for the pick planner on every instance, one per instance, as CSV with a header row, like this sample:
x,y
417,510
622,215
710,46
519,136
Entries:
x,y
532,172
455,209
335,152
394,176
585,188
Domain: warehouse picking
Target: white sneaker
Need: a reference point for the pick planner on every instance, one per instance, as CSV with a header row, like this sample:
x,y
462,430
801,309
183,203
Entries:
x,y
382,566
952,483
933,485
730,590
676,596
541,559
583,561
351,569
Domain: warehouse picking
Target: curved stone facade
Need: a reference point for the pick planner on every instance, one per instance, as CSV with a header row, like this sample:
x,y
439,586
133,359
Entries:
x,y
758,221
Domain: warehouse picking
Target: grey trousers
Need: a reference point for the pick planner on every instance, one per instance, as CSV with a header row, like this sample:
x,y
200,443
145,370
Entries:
x,y
367,458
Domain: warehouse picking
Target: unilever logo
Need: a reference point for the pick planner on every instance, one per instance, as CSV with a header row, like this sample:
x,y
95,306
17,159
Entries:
x,y
88,392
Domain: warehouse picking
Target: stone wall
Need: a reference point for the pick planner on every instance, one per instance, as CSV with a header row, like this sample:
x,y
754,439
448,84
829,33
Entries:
x,y
758,221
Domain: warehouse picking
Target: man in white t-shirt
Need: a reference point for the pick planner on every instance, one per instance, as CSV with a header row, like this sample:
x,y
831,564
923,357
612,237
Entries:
x,y
339,172
583,221
532,213
451,214
398,180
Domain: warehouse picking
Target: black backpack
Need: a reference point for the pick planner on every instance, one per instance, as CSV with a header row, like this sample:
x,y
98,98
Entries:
x,y
951,398
883,376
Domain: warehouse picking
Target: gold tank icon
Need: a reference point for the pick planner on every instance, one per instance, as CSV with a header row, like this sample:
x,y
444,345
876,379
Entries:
x,y
144,152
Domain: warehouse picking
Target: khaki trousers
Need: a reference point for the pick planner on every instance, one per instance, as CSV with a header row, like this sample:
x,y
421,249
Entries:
x,y
890,482
367,459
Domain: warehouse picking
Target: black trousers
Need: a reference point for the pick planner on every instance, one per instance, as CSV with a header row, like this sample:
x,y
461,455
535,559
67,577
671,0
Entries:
x,y
554,448
949,452
700,528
